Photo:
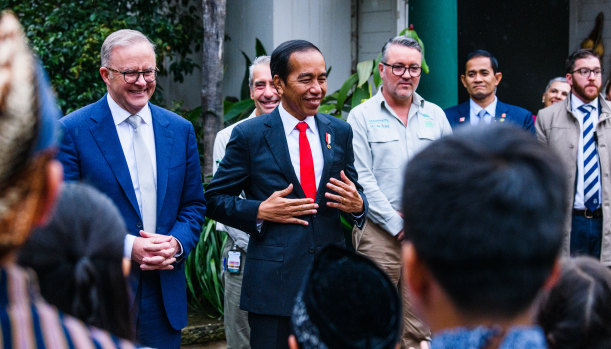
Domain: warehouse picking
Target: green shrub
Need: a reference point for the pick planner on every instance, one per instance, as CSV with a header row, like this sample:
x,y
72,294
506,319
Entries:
x,y
68,35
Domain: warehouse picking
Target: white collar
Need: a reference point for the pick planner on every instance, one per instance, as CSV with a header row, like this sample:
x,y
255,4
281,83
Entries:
x,y
289,122
119,114
490,108
576,103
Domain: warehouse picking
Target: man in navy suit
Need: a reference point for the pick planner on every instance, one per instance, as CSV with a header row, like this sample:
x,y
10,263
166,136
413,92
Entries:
x,y
295,166
145,159
481,78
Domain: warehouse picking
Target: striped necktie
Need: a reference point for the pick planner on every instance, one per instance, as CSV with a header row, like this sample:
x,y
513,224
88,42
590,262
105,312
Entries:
x,y
591,183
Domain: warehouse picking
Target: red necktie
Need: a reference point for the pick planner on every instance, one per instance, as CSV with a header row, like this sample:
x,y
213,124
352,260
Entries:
x,y
306,163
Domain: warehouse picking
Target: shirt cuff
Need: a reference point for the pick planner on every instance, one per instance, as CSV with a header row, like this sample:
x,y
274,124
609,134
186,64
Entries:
x,y
394,224
180,250
128,245
356,217
259,225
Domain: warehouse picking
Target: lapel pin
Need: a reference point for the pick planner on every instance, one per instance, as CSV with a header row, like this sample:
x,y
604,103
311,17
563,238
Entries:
x,y
328,139
461,119
503,115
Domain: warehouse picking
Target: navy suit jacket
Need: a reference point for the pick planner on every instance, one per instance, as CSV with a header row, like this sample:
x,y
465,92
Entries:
x,y
460,115
257,161
91,152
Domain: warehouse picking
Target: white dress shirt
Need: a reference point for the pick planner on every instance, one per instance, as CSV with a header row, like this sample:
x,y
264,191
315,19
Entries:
x,y
126,136
292,139
575,104
475,109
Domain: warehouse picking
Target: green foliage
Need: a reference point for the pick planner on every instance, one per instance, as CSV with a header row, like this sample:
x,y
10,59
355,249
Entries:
x,y
68,35
356,89
411,33
203,269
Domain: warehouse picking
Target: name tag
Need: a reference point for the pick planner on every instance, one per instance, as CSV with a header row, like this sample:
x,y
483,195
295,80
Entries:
x,y
234,261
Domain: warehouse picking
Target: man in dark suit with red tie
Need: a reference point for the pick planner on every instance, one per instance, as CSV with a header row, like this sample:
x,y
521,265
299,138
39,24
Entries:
x,y
295,166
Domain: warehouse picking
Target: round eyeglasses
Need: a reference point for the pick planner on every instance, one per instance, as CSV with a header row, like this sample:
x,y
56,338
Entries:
x,y
399,69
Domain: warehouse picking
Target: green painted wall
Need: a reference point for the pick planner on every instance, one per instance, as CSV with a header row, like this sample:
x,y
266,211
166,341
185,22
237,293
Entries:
x,y
435,21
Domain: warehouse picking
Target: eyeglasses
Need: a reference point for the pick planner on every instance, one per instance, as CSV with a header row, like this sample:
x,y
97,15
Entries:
x,y
585,72
399,70
131,76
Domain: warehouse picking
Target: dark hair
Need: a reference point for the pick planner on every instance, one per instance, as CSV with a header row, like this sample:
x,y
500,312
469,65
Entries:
x,y
579,54
279,64
576,313
346,301
78,258
483,53
484,209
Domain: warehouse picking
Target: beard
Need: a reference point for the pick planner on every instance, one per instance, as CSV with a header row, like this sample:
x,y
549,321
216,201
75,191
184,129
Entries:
x,y
584,94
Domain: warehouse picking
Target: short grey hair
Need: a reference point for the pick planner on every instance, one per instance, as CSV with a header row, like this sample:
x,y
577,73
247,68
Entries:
x,y
402,41
123,37
549,84
256,62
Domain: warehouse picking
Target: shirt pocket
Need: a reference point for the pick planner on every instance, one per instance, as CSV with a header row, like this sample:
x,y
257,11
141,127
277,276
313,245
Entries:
x,y
428,127
385,145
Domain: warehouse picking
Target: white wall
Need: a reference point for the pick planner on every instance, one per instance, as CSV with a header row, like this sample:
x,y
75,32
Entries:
x,y
324,23
582,16
246,21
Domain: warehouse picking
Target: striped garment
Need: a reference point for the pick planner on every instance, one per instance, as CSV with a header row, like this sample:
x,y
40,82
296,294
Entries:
x,y
28,321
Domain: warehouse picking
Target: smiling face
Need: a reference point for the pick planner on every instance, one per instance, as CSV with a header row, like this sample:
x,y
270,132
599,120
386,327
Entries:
x,y
585,88
136,57
399,89
306,84
557,92
262,91
480,80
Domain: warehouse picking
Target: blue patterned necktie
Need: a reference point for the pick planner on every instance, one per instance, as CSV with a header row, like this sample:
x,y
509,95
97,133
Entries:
x,y
591,183
482,116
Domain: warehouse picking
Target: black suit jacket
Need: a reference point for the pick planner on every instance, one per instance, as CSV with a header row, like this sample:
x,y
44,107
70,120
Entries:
x,y
257,161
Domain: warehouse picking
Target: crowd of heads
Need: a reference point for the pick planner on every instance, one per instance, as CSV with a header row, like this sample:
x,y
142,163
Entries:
x,y
493,252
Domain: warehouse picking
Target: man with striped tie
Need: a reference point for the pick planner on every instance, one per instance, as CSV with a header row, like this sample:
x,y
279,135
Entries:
x,y
579,129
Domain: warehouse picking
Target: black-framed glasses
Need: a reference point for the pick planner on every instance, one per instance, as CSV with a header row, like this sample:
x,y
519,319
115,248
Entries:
x,y
399,69
585,72
131,76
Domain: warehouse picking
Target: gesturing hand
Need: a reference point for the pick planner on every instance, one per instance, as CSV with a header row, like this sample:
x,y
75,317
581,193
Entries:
x,y
277,208
347,197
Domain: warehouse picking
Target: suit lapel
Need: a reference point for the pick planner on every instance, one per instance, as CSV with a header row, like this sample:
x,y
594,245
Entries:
x,y
324,129
464,114
278,147
104,133
164,142
501,112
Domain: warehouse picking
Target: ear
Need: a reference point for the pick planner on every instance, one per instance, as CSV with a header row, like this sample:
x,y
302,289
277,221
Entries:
x,y
105,74
569,79
554,276
252,95
463,79
55,177
414,272
498,76
279,85
293,342
381,70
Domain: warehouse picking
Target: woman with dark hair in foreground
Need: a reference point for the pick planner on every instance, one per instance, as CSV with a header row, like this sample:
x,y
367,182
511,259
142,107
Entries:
x,y
79,260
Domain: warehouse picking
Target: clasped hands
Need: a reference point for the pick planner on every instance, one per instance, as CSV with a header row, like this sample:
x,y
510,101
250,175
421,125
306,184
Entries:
x,y
155,251
278,208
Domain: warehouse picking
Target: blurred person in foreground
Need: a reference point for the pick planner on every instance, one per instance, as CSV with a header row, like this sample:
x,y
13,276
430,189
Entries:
x,y
475,271
576,313
346,302
29,183
78,257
